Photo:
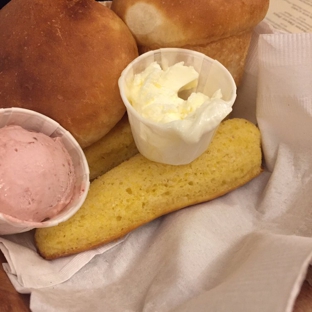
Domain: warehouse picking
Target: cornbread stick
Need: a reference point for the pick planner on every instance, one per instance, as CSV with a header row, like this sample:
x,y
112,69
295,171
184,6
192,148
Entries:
x,y
114,148
138,191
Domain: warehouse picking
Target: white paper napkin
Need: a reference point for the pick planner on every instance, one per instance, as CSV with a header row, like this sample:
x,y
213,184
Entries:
x,y
27,270
245,104
246,251
218,256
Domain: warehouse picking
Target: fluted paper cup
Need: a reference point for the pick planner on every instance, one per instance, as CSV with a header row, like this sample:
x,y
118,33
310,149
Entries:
x,y
34,121
182,141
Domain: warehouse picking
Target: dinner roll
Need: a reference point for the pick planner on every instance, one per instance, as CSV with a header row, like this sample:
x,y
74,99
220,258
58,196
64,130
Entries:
x,y
218,28
63,58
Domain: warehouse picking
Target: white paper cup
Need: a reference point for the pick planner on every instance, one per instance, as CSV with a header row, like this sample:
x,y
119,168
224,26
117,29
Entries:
x,y
177,142
34,121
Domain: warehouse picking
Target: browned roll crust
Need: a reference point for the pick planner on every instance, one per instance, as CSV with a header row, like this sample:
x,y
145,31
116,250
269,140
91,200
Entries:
x,y
221,29
63,58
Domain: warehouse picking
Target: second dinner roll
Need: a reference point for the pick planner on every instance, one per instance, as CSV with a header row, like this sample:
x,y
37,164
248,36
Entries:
x,y
218,28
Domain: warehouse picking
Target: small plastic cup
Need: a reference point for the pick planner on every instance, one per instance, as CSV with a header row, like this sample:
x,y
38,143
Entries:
x,y
178,142
34,121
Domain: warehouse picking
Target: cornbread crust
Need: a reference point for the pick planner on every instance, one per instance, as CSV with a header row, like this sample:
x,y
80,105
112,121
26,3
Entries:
x,y
220,29
138,191
114,148
63,58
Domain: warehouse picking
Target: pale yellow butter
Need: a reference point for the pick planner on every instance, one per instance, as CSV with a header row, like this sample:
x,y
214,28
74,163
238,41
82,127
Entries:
x,y
155,93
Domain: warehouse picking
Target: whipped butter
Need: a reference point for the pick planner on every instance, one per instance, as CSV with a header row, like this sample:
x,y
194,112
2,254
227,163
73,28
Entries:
x,y
155,93
175,100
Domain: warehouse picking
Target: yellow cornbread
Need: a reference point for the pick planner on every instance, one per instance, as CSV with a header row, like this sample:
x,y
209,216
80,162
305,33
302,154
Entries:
x,y
138,191
114,148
